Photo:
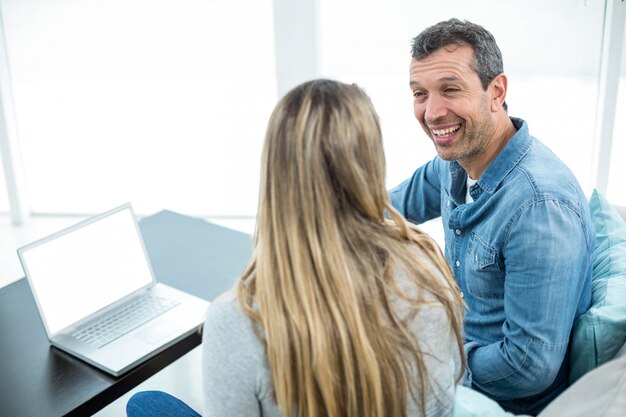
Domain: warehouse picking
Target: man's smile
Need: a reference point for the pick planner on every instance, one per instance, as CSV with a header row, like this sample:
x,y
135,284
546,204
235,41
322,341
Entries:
x,y
444,135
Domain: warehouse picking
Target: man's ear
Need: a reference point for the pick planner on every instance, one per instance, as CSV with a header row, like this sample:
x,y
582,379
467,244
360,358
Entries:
x,y
497,91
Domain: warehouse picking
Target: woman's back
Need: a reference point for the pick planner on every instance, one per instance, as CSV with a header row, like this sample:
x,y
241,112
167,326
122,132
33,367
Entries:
x,y
346,299
238,382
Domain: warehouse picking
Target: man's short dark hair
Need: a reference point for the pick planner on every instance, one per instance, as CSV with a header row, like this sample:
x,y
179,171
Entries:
x,y
454,32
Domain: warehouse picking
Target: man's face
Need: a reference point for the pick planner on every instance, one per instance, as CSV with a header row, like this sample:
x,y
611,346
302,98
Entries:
x,y
451,105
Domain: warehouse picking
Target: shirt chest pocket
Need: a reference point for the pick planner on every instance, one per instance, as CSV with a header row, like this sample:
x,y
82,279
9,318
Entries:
x,y
485,280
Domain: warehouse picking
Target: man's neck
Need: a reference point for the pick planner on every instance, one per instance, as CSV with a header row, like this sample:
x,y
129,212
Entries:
x,y
504,131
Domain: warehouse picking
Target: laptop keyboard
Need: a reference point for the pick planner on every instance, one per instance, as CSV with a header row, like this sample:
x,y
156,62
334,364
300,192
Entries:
x,y
124,318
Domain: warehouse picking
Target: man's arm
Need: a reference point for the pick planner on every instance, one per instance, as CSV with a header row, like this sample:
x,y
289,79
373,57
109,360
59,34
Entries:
x,y
548,262
418,198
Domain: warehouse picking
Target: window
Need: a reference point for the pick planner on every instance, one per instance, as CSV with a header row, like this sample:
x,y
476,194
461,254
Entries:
x,y
4,199
165,103
617,175
161,103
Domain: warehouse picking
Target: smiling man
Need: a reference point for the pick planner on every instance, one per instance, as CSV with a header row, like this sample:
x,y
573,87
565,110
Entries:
x,y
518,236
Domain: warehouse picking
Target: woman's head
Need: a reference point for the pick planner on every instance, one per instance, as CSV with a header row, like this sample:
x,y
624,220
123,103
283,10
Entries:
x,y
323,156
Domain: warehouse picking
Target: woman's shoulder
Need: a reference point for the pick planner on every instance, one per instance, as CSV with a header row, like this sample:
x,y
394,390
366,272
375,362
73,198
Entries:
x,y
234,361
225,318
229,341
224,306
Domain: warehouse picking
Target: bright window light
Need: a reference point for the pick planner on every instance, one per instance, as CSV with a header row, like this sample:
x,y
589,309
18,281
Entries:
x,y
161,103
616,192
4,197
165,103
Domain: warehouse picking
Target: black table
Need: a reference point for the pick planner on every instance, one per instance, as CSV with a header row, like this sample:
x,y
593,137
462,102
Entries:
x,y
38,380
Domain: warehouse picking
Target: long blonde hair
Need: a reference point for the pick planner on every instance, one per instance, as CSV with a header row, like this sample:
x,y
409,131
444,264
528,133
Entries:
x,y
323,269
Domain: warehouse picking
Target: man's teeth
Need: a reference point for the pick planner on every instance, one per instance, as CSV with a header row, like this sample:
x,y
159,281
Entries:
x,y
444,132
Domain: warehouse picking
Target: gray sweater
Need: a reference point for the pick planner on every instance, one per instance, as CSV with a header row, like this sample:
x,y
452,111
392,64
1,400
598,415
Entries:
x,y
237,380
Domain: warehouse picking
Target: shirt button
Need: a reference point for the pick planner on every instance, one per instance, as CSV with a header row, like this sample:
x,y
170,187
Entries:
x,y
461,294
457,231
458,263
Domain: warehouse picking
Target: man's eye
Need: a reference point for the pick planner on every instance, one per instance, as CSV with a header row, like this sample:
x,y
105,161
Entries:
x,y
417,94
451,90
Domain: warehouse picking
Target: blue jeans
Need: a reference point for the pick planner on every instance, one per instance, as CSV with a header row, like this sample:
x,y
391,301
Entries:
x,y
157,404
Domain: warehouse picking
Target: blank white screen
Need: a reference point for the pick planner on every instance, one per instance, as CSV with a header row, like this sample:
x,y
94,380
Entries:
x,y
87,269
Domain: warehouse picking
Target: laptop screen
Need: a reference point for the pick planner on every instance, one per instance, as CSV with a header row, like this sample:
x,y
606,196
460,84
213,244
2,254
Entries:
x,y
87,267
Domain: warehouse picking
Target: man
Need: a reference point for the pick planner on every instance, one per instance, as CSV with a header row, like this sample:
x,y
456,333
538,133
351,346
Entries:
x,y
518,235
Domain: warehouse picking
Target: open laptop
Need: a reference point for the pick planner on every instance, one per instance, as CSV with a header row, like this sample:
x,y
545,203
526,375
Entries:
x,y
97,295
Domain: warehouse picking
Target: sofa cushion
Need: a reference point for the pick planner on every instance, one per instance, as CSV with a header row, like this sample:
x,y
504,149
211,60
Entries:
x,y
599,333
599,393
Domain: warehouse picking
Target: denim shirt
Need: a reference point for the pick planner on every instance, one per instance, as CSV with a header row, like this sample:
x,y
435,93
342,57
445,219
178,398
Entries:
x,y
522,256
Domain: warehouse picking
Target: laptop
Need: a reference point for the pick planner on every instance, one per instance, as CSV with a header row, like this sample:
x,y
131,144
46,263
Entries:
x,y
97,295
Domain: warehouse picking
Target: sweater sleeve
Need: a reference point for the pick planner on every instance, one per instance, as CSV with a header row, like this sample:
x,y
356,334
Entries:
x,y
233,363
432,329
441,356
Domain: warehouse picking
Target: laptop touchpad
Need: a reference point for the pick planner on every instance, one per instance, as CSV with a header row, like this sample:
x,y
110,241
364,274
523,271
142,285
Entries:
x,y
156,332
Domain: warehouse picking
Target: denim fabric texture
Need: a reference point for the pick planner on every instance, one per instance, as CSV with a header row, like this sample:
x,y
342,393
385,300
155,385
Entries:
x,y
157,404
522,256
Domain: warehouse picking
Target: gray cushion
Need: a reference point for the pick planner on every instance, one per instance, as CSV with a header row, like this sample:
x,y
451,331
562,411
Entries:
x,y
599,393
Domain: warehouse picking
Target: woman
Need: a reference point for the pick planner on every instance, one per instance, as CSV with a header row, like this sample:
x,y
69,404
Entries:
x,y
345,309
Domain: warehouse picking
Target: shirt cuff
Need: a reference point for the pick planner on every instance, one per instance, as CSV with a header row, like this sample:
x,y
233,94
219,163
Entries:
x,y
467,375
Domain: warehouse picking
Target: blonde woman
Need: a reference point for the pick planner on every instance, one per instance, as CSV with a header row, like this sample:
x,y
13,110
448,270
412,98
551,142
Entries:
x,y
345,309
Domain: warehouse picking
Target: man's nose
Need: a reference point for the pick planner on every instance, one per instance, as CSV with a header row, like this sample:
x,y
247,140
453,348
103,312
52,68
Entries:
x,y
435,108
